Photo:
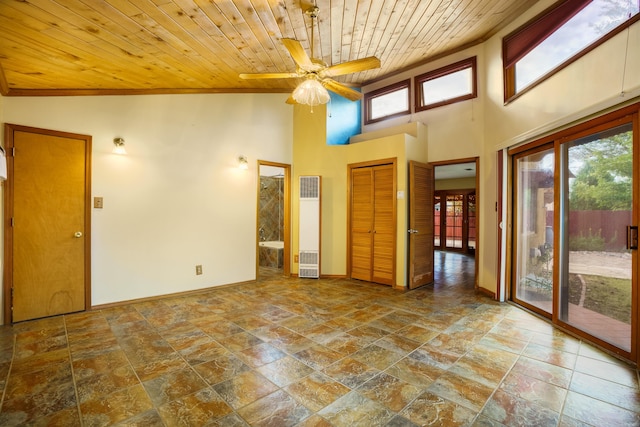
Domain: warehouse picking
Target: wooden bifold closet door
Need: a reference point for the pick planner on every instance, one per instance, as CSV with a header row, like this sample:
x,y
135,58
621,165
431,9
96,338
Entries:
x,y
373,222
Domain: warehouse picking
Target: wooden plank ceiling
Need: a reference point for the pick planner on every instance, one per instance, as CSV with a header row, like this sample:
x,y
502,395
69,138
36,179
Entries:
x,y
68,47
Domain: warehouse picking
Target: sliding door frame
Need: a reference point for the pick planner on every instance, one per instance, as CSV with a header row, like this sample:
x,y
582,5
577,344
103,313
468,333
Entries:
x,y
626,114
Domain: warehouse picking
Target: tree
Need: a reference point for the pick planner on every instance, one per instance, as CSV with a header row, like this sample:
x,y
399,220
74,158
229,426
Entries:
x,y
603,180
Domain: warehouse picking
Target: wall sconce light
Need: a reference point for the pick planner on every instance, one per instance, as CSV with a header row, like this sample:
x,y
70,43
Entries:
x,y
243,163
119,146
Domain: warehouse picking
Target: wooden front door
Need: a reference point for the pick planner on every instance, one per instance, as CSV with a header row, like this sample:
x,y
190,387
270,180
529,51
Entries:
x,y
420,224
47,223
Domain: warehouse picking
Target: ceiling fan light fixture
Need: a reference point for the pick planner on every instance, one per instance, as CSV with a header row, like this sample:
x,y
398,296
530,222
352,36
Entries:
x,y
311,92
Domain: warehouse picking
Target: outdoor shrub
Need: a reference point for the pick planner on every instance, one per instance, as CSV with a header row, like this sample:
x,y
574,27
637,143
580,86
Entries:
x,y
592,242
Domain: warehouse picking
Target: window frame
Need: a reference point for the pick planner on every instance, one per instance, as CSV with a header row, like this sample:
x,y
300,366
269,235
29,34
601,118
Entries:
x,y
538,35
368,97
442,72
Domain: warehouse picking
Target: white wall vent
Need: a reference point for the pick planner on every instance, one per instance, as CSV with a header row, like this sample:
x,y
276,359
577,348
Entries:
x,y
309,227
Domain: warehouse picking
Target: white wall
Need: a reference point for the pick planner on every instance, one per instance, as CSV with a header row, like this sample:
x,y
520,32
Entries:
x,y
177,198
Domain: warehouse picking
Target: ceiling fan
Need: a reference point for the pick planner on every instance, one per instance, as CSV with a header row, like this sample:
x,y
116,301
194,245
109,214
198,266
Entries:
x,y
317,74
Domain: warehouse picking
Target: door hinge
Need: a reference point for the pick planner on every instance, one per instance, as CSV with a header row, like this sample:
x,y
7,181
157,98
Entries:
x,y
11,222
13,151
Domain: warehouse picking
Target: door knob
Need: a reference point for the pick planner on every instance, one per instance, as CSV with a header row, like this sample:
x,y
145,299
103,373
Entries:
x,y
77,234
413,231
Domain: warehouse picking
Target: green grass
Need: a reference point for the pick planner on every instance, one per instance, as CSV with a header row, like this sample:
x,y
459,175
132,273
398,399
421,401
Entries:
x,y
606,295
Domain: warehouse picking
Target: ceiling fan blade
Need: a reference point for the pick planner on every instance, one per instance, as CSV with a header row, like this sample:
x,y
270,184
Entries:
x,y
354,66
290,100
298,53
268,76
341,90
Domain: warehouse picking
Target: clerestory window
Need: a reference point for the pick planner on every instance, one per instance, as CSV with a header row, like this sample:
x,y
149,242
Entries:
x,y
559,36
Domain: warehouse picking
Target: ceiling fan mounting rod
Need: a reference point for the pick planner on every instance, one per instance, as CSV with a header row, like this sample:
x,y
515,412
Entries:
x,y
312,12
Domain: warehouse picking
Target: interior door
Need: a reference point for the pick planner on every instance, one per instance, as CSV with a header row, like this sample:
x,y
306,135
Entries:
x,y
361,223
421,185
47,230
384,225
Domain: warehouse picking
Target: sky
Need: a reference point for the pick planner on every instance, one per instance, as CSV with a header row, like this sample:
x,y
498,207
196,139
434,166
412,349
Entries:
x,y
596,19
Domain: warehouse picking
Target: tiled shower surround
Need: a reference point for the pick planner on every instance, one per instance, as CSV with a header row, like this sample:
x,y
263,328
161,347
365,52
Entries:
x,y
271,220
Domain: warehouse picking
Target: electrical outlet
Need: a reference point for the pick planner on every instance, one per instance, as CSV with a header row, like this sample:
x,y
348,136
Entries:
x,y
295,258
198,269
97,202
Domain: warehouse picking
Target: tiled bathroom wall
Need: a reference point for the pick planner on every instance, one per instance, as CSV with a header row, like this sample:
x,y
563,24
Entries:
x,y
271,219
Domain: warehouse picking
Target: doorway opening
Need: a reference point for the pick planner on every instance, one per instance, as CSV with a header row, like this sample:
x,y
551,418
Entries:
x,y
273,220
455,213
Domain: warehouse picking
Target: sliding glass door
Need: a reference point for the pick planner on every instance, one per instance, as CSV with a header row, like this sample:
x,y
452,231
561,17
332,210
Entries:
x,y
597,206
534,202
574,252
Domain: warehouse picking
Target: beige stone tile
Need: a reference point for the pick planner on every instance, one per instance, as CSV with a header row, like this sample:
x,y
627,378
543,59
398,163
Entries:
x,y
221,368
377,357
350,372
318,356
416,372
356,410
317,391
276,409
196,409
244,389
115,407
432,410
460,390
390,391
285,371
172,385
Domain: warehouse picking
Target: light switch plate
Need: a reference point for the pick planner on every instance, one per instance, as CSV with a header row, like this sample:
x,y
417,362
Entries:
x,y
97,202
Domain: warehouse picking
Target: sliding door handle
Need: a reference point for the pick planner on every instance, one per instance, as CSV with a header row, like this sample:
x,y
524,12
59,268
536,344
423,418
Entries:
x,y
632,237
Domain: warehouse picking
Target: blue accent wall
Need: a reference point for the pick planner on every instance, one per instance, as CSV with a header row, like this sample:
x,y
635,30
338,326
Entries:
x,y
343,119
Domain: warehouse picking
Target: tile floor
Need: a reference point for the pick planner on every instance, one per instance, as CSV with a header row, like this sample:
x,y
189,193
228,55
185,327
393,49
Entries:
x,y
301,352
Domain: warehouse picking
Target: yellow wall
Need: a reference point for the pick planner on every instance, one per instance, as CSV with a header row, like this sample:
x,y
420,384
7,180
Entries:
x,y
312,156
456,184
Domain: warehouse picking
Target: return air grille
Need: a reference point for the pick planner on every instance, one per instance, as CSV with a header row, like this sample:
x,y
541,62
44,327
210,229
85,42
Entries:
x,y
309,257
309,187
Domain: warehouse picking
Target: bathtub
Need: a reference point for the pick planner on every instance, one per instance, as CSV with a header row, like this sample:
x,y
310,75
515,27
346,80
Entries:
x,y
274,245
271,254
